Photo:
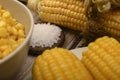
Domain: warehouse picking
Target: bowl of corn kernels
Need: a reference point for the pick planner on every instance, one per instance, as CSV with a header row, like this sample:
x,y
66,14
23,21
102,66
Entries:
x,y
16,24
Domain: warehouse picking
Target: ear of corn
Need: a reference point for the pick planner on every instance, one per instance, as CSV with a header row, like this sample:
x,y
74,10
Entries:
x,y
71,14
59,64
111,22
68,13
102,59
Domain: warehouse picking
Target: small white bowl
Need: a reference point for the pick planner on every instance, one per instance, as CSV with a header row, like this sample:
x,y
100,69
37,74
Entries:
x,y
11,65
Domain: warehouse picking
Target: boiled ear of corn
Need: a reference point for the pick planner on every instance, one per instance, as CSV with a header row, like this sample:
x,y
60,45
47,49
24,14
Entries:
x,y
59,64
67,13
102,59
71,14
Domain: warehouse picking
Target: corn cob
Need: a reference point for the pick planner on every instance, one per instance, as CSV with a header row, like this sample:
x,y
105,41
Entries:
x,y
71,14
59,64
66,13
102,59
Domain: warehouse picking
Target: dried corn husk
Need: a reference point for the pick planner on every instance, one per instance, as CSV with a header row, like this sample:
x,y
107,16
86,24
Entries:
x,y
33,5
101,5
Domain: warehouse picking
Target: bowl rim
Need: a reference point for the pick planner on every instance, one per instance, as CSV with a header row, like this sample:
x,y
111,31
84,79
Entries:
x,y
27,37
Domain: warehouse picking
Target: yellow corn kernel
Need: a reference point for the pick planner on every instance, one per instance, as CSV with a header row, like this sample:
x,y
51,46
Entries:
x,y
2,23
20,40
102,59
14,37
4,47
3,32
12,41
11,21
2,11
21,33
19,26
6,14
59,64
13,31
3,41
1,56
6,52
14,46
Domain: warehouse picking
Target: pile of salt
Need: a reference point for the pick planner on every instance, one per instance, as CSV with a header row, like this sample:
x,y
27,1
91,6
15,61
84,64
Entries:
x,y
45,35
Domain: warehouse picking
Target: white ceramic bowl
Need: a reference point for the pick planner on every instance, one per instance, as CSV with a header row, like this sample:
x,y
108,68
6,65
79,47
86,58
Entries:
x,y
11,65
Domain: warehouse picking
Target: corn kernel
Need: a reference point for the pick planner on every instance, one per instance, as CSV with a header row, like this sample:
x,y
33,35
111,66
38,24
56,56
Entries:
x,y
1,55
3,42
7,52
6,14
12,21
14,37
2,23
20,40
19,26
14,46
14,31
4,47
21,33
2,11
12,41
3,32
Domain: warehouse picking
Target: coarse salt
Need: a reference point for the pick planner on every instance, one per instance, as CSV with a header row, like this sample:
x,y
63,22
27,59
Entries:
x,y
45,35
